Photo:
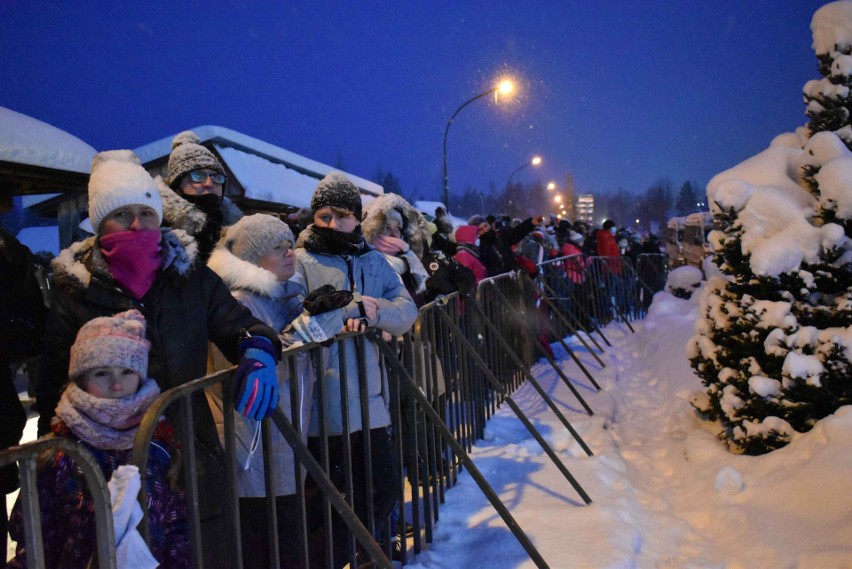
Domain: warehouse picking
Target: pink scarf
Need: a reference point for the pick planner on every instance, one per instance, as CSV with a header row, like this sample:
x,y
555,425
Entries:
x,y
133,258
107,424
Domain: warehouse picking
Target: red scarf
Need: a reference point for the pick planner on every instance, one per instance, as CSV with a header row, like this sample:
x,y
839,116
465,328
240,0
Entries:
x,y
133,258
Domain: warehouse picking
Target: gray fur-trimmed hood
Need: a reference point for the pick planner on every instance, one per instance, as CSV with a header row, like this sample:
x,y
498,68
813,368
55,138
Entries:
x,y
75,265
242,275
415,231
180,214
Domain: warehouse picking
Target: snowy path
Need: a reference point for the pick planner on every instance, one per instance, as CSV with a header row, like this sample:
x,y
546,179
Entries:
x,y
666,493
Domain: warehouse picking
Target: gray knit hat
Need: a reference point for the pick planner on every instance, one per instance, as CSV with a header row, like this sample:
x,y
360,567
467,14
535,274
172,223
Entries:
x,y
188,155
254,236
336,190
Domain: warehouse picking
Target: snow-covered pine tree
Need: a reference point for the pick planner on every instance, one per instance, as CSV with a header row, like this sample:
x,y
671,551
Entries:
x,y
774,339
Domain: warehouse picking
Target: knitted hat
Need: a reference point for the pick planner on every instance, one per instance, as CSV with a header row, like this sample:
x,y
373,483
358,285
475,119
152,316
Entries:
x,y
111,341
335,190
254,236
476,219
608,224
118,179
188,155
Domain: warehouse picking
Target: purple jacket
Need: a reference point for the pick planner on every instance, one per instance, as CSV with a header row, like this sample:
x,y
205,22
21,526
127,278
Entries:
x,y
67,509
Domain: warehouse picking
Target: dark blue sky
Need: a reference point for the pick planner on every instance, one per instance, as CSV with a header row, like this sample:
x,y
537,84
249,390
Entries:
x,y
616,94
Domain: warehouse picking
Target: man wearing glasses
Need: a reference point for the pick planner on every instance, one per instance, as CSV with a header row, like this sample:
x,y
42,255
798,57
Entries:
x,y
196,202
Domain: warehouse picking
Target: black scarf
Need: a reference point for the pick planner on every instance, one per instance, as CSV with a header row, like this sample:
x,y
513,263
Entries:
x,y
325,241
208,236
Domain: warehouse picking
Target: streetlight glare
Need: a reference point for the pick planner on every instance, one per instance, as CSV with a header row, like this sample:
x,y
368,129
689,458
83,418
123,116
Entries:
x,y
536,160
558,199
506,87
551,186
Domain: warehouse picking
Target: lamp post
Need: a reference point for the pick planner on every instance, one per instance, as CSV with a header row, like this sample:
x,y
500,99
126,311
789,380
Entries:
x,y
504,87
536,160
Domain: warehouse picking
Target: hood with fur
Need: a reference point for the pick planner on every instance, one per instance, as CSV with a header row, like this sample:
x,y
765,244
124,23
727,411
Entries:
x,y
75,265
415,229
242,275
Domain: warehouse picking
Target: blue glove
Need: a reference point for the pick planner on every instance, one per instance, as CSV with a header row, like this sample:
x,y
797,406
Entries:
x,y
256,387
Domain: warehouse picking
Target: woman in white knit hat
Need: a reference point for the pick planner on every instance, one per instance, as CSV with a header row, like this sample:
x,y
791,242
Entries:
x,y
132,263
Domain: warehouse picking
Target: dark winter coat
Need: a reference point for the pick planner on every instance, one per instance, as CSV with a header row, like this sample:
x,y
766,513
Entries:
x,y
22,316
67,509
187,305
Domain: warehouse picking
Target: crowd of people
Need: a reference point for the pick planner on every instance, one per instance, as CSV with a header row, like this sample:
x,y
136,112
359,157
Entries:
x,y
177,282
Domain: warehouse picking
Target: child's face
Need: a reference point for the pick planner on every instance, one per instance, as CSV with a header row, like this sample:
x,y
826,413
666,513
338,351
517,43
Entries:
x,y
110,382
337,219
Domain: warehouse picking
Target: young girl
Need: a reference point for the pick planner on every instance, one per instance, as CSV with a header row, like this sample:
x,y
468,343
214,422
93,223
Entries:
x,y
101,408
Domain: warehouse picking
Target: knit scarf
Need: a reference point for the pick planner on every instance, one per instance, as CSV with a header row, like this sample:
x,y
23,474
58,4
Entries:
x,y
133,258
107,424
325,241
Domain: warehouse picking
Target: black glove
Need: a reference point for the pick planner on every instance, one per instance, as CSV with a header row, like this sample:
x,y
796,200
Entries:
x,y
325,299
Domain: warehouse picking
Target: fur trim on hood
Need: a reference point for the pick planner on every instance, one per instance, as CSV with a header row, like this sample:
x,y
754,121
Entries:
x,y
75,265
415,229
180,214
242,275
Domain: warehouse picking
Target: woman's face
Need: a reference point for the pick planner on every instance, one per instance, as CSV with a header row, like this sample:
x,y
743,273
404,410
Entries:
x,y
279,261
110,382
130,218
338,219
391,228
200,182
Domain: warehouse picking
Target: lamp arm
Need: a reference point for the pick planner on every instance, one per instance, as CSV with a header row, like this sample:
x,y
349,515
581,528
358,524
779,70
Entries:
x,y
446,132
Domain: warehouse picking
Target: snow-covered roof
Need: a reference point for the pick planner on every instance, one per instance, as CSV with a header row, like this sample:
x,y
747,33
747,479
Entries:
x,y
25,140
266,172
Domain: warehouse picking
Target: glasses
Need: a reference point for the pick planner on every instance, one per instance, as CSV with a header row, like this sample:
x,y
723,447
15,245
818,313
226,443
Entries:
x,y
199,177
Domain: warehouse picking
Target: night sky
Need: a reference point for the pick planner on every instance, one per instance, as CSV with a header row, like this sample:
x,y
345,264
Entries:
x,y
615,94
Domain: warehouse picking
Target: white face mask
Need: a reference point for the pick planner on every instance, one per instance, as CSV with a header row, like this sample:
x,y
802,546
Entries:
x,y
476,242
612,230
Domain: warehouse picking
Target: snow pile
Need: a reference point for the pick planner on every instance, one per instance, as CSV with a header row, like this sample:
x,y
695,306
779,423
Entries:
x,y
25,140
666,493
683,281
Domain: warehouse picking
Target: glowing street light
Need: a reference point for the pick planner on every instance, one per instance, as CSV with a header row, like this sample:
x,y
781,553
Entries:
x,y
551,186
557,198
505,88
535,161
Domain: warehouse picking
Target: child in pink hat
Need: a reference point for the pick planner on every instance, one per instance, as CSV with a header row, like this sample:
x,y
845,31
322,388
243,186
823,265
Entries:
x,y
101,409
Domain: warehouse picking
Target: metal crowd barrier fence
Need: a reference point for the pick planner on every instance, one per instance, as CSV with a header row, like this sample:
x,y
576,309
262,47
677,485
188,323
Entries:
x,y
27,457
592,291
442,381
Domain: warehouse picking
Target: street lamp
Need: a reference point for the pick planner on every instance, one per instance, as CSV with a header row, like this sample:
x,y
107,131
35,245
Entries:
x,y
557,198
536,160
505,87
551,186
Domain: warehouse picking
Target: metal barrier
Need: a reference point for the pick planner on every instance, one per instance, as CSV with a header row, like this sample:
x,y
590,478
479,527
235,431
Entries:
x,y
463,359
27,457
592,291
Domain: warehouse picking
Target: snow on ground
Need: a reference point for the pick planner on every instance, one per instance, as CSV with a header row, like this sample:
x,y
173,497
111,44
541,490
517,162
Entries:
x,y
666,493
